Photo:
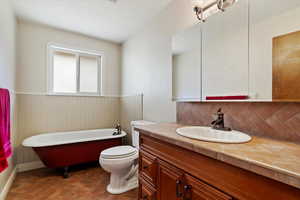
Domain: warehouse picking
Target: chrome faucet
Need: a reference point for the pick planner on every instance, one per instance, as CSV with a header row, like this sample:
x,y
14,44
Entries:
x,y
218,123
118,130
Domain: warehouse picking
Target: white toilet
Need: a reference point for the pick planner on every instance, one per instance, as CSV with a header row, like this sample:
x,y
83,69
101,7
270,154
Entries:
x,y
122,163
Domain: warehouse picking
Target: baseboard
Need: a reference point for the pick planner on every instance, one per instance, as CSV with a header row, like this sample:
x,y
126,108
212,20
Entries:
x,y
23,167
8,184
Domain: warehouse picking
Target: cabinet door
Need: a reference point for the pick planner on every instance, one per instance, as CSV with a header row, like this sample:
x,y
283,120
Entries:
x,y
170,182
186,64
194,189
225,52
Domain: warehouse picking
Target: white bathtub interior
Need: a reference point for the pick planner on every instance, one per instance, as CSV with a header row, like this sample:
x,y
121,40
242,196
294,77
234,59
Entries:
x,y
60,138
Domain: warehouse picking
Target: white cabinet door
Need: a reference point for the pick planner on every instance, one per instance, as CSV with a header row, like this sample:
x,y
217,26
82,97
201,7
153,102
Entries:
x,y
186,61
225,64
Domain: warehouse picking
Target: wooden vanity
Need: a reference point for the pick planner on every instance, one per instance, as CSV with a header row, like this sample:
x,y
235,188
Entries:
x,y
170,169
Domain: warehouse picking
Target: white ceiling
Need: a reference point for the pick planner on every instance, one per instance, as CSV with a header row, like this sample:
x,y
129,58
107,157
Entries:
x,y
98,18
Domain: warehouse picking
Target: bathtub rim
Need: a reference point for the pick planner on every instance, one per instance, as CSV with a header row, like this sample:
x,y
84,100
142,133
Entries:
x,y
27,142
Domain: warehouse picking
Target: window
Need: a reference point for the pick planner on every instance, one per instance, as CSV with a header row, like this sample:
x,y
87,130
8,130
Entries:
x,y
73,71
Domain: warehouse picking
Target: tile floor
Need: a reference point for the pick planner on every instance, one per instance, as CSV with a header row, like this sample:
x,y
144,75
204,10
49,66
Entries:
x,y
84,183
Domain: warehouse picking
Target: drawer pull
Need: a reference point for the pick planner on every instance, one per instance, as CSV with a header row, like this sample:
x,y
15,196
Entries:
x,y
145,197
178,193
145,167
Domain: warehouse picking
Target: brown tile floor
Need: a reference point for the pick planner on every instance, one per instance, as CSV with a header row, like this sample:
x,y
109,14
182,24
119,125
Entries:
x,y
84,183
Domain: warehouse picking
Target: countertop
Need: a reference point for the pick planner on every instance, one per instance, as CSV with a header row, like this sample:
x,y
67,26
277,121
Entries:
x,y
275,159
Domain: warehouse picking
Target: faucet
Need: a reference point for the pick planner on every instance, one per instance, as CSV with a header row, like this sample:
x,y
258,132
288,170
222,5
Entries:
x,y
118,130
218,123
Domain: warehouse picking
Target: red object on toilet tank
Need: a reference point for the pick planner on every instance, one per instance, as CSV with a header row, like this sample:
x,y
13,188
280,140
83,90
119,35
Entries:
x,y
72,154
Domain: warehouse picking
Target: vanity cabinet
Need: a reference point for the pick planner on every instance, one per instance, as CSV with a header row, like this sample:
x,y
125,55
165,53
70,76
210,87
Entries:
x,y
171,172
172,183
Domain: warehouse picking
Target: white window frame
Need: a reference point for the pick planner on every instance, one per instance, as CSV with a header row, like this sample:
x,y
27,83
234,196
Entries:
x,y
53,47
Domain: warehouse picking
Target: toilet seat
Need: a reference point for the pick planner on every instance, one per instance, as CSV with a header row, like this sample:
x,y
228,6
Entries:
x,y
119,152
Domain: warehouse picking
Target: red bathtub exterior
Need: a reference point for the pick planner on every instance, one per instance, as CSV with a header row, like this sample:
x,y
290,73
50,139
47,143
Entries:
x,y
72,154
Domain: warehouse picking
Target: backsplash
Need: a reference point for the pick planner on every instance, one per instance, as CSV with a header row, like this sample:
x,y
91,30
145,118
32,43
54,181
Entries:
x,y
266,119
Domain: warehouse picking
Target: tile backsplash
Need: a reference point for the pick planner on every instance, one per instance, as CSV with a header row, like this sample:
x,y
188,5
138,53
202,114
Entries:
x,y
266,119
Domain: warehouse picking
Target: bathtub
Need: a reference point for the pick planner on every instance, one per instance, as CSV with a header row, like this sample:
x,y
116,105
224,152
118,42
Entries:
x,y
64,149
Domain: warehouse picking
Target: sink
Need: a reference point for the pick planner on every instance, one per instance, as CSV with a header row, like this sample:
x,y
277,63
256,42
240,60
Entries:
x,y
211,135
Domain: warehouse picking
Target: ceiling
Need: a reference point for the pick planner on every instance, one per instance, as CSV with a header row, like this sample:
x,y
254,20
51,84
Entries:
x,y
105,19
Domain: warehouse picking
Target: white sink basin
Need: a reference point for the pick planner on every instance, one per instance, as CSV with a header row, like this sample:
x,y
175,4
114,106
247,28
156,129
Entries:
x,y
211,135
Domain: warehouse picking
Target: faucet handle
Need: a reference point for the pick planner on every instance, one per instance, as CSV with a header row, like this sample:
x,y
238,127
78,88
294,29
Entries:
x,y
216,115
118,126
219,111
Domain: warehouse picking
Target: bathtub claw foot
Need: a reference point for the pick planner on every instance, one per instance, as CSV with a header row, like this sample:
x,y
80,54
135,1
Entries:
x,y
66,172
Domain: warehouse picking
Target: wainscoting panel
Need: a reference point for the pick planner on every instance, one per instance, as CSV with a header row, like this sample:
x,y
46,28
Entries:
x,y
273,120
131,109
39,114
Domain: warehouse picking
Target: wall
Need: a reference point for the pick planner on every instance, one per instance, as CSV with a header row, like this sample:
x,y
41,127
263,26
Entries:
x,y
39,113
32,62
131,110
147,61
7,71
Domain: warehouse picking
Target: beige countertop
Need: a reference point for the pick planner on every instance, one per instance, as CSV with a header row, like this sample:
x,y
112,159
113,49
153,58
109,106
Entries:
x,y
278,160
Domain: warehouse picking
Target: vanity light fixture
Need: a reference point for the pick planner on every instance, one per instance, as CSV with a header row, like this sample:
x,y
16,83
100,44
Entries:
x,y
206,8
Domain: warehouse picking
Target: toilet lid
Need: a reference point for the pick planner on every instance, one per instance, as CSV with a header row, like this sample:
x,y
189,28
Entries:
x,y
119,152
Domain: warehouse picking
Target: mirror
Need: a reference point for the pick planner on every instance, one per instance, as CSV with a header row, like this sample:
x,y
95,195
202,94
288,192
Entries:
x,y
225,54
186,65
250,52
274,45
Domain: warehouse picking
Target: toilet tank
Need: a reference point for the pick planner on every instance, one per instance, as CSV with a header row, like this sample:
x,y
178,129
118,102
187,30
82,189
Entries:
x,y
135,134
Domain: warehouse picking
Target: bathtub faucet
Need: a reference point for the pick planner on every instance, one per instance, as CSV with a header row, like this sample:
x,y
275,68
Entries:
x,y
118,131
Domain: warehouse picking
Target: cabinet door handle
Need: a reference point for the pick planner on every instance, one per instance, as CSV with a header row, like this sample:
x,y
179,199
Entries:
x,y
187,192
178,193
187,187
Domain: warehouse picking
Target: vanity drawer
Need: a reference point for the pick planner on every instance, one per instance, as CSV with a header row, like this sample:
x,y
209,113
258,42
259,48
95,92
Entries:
x,y
148,167
146,192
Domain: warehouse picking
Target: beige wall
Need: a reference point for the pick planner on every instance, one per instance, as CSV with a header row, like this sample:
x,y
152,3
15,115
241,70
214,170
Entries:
x,y
131,110
39,113
32,54
147,64
7,70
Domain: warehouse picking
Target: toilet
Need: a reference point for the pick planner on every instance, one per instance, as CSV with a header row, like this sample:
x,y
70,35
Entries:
x,y
122,163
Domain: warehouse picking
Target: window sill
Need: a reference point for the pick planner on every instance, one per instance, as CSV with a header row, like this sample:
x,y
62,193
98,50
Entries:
x,y
75,95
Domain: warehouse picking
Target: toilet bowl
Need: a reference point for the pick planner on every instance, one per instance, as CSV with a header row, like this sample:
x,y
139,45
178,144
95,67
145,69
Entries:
x,y
122,163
